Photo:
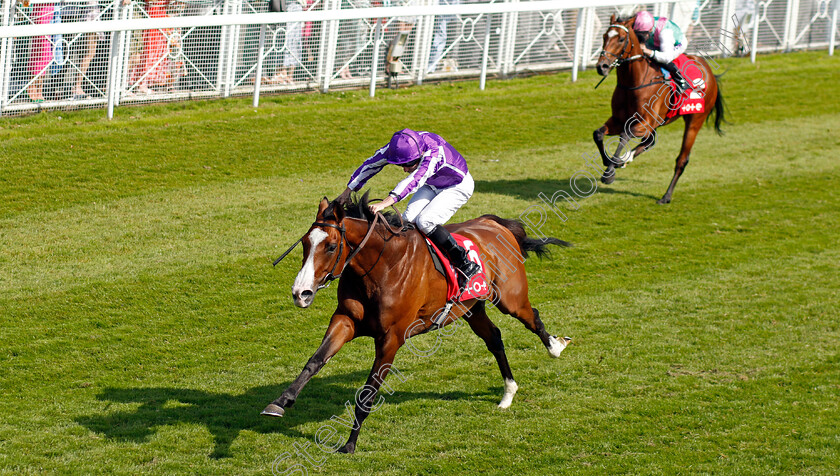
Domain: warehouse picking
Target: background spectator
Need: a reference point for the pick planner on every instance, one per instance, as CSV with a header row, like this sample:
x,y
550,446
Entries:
x,y
40,52
85,44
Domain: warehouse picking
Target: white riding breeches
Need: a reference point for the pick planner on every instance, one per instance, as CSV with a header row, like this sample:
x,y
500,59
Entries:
x,y
430,206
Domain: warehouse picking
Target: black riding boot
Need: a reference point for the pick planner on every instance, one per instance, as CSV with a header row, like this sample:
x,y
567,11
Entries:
x,y
682,84
444,241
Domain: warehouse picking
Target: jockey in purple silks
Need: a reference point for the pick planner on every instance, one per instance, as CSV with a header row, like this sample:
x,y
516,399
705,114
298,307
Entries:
x,y
438,178
662,41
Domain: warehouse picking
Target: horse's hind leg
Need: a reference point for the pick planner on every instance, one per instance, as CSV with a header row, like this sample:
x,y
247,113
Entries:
x,y
386,350
492,337
692,127
530,317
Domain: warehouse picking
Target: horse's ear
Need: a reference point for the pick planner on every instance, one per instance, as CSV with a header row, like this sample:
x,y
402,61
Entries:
x,y
338,210
323,205
612,19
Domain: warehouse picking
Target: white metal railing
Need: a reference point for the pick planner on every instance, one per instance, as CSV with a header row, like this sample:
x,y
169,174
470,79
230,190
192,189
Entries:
x,y
90,53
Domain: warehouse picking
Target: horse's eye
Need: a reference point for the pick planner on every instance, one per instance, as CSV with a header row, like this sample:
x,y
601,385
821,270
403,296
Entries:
x,y
330,247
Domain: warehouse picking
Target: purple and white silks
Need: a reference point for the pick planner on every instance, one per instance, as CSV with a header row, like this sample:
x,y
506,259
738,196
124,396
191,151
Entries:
x,y
441,166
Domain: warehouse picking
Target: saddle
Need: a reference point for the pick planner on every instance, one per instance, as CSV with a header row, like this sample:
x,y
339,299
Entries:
x,y
477,288
691,101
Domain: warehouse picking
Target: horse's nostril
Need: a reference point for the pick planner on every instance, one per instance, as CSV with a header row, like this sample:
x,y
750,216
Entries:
x,y
306,294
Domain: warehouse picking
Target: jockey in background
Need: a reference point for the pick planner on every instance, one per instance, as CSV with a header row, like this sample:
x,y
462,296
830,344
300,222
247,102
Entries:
x,y
438,178
662,40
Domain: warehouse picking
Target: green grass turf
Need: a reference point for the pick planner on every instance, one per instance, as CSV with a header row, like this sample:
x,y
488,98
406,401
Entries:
x,y
143,327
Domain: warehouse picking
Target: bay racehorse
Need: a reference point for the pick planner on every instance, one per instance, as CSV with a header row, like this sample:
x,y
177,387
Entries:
x,y
639,106
389,289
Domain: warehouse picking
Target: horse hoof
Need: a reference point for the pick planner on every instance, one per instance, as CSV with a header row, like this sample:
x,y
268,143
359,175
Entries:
x,y
273,410
349,449
663,201
556,346
608,179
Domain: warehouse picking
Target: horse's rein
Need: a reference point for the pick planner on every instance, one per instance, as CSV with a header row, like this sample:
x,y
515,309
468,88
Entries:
x,y
330,277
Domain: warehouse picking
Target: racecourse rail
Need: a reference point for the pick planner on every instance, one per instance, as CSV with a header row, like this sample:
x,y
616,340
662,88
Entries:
x,y
135,52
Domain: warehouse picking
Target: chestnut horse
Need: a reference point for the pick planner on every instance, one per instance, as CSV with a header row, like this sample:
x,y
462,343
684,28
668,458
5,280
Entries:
x,y
390,290
637,109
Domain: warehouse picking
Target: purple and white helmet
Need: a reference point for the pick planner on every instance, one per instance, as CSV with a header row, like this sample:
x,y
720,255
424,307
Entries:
x,y
404,147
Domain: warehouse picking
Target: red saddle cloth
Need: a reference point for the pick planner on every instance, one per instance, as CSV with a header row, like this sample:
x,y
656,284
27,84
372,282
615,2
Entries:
x,y
477,288
691,101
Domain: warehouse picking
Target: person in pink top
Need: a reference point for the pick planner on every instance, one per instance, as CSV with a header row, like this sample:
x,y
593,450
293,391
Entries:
x,y
40,52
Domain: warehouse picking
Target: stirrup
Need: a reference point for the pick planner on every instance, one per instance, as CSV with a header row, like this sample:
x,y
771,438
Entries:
x,y
472,270
440,320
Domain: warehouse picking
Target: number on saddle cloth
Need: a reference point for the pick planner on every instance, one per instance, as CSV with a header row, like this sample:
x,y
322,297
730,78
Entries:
x,y
476,288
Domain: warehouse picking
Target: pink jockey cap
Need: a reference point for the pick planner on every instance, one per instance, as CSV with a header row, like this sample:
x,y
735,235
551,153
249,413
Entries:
x,y
403,148
644,21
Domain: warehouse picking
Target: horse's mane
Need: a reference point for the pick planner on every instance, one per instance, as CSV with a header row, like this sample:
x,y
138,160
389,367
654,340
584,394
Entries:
x,y
359,207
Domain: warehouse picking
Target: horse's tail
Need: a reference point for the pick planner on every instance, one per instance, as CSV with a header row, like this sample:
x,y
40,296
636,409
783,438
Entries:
x,y
527,244
719,107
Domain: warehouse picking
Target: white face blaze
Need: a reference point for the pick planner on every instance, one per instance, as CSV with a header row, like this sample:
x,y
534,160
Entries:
x,y
612,33
305,280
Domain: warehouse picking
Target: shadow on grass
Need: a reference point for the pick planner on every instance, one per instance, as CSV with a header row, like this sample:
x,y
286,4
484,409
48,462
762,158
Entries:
x,y
226,415
529,189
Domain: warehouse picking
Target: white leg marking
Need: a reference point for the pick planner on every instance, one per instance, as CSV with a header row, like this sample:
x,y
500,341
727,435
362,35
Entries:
x,y
510,391
556,346
306,277
626,158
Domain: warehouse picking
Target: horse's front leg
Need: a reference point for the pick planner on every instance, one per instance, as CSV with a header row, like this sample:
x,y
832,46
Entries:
x,y
608,129
386,349
340,331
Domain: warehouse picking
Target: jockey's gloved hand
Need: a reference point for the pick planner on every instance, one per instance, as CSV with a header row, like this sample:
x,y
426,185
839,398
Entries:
x,y
344,197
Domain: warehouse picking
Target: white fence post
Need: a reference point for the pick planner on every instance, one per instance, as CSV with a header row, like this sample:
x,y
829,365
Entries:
x,y
486,53
727,41
419,47
125,47
5,54
588,33
508,41
231,48
377,38
791,20
258,72
424,42
121,12
757,23
833,32
114,64
332,43
579,27
223,41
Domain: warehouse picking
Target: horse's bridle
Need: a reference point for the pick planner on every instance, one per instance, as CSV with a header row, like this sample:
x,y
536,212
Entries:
x,y
330,277
626,47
